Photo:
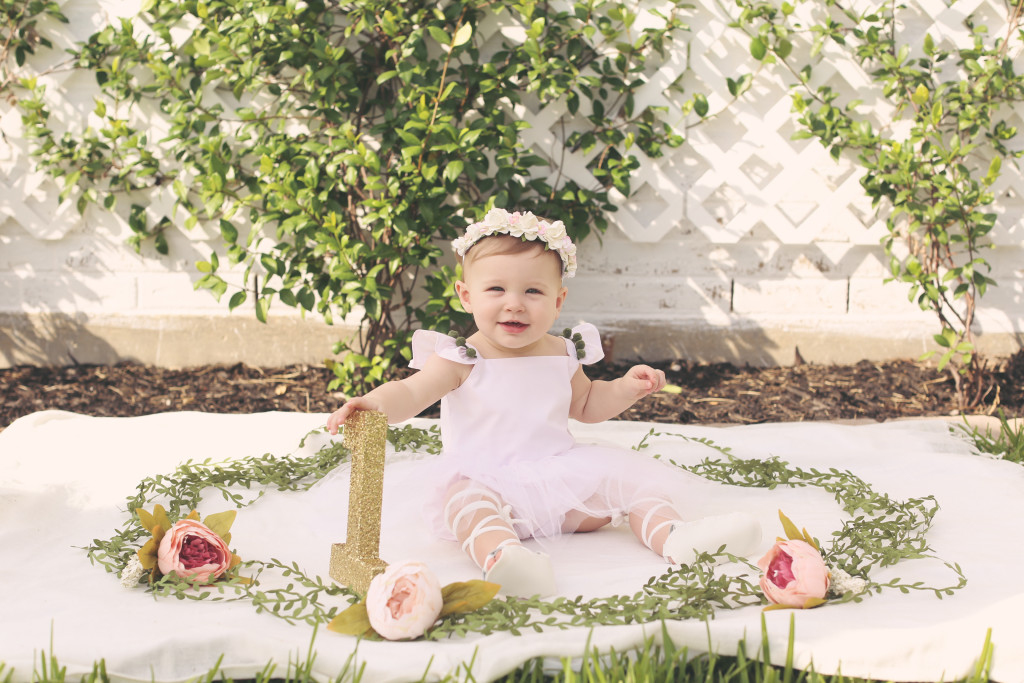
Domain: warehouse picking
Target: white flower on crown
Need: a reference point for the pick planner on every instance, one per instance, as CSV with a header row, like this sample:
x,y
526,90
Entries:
x,y
555,232
525,226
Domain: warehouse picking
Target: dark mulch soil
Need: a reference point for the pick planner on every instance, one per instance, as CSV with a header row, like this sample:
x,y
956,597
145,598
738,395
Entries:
x,y
714,393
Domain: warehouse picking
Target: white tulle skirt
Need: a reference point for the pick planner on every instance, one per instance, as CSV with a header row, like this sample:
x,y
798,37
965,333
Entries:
x,y
597,481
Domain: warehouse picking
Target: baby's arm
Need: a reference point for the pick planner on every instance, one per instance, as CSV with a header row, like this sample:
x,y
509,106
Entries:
x,y
598,400
405,398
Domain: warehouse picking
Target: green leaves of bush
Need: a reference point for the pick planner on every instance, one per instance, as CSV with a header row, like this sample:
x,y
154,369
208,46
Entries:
x,y
931,166
337,150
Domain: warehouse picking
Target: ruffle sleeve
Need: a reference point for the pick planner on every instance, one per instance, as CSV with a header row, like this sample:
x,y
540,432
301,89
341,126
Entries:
x,y
426,343
589,341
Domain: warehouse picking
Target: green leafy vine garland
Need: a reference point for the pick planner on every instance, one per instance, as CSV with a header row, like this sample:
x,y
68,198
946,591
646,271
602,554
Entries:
x,y
881,532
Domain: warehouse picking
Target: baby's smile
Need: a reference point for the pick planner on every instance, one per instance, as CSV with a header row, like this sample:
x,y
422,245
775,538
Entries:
x,y
513,326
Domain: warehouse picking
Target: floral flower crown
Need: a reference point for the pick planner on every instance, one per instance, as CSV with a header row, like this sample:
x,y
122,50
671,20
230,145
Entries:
x,y
525,226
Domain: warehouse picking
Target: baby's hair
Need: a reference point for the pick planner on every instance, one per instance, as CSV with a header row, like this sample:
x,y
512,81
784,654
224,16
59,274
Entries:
x,y
501,245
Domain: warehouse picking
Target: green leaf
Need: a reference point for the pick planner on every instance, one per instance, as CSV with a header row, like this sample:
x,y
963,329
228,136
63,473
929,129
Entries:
x,y
758,49
201,45
262,306
220,522
792,532
464,33
137,218
237,299
263,14
353,621
467,596
993,170
700,105
772,608
453,170
161,518
439,35
146,519
228,231
920,95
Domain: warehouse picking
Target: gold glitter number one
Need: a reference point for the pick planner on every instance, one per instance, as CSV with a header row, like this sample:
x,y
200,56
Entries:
x,y
355,562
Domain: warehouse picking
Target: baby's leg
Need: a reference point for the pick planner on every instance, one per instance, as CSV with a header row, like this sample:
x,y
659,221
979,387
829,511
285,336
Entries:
x,y
483,524
650,518
474,514
659,526
579,522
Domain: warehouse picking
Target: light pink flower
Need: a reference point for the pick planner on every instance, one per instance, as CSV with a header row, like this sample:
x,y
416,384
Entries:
x,y
793,572
404,601
191,550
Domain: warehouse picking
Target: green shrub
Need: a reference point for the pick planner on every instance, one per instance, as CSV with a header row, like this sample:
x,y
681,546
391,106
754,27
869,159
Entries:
x,y
338,147
932,162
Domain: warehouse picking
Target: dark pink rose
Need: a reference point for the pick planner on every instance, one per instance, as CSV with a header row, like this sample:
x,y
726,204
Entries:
x,y
190,550
793,572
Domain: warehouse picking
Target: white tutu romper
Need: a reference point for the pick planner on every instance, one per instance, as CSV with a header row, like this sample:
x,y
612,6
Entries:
x,y
507,428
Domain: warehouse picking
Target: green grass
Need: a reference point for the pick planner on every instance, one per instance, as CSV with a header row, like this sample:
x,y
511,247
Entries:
x,y
649,663
1007,443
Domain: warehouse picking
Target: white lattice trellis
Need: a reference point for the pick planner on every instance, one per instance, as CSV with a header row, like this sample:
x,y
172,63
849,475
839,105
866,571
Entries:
x,y
742,225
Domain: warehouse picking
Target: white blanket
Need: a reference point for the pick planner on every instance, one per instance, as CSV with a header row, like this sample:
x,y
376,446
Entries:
x,y
64,480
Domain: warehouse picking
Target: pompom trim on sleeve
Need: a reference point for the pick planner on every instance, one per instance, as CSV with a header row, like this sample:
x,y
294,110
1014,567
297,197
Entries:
x,y
584,343
426,343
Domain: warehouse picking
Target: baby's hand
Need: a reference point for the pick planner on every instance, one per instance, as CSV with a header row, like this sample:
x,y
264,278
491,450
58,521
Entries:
x,y
339,416
645,380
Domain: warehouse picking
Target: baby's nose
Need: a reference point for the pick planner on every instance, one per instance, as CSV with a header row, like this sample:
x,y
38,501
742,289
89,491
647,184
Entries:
x,y
513,303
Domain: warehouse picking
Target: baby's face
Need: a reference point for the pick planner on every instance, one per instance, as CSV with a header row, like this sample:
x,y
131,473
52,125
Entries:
x,y
514,299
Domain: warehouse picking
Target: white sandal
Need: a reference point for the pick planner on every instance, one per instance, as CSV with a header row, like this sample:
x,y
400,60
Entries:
x,y
519,571
738,532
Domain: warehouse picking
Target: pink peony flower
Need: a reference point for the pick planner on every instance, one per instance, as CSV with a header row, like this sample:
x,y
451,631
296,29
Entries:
x,y
404,601
191,550
793,572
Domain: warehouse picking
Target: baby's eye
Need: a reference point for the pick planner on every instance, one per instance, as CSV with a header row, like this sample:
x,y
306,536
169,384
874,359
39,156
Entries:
x,y
495,288
534,290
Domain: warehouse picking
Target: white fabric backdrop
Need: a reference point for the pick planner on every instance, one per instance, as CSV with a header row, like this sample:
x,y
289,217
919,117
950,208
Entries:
x,y
64,479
